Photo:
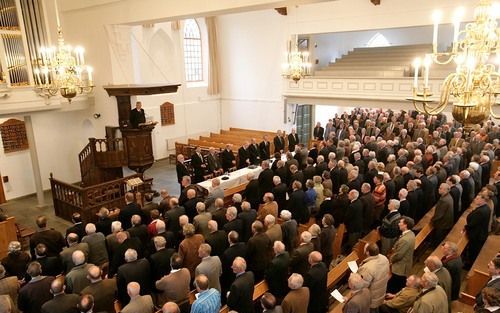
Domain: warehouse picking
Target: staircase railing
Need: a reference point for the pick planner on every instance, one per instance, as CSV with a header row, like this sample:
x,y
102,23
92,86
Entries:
x,y
88,200
87,161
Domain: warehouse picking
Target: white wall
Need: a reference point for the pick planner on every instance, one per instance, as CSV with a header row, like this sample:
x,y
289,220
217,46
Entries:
x,y
333,45
251,47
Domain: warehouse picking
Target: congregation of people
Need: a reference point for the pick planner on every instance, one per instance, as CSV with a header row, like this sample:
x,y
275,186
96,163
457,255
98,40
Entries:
x,y
367,169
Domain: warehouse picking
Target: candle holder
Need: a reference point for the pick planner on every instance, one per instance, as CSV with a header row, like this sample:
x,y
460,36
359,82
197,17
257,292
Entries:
x,y
422,101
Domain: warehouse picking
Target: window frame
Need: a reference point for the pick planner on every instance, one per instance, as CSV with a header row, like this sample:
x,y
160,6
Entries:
x,y
201,61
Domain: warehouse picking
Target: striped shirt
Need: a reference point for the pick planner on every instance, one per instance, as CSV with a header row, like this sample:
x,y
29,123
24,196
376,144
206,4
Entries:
x,y
208,301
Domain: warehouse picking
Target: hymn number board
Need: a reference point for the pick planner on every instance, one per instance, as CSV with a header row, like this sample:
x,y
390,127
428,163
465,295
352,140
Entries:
x,y
14,136
167,114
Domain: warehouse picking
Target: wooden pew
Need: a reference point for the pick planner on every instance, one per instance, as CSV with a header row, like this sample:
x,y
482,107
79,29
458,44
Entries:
x,y
423,228
478,275
8,233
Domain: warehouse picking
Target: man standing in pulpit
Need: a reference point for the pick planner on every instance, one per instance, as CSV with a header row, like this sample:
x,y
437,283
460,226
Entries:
x,y
137,115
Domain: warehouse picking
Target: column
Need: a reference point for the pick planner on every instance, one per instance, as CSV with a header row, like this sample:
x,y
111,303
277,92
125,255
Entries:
x,y
34,162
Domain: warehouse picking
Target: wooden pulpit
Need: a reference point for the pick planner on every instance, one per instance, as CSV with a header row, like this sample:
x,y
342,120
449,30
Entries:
x,y
138,140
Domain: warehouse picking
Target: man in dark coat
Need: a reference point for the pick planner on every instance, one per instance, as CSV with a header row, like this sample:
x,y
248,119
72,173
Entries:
x,y
52,239
240,297
453,263
228,159
265,179
198,164
160,260
299,260
279,191
297,204
131,208
62,302
248,216
293,140
253,149
78,227
258,251
265,149
442,221
235,249
34,294
277,271
216,239
476,228
137,115
181,169
279,142
137,270
316,280
318,132
252,191
353,219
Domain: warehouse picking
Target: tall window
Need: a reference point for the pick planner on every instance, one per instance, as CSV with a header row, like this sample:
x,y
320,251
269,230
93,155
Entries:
x,y
193,61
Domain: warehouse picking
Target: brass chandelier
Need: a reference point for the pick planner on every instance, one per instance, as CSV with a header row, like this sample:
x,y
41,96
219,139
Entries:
x,y
62,69
475,84
297,65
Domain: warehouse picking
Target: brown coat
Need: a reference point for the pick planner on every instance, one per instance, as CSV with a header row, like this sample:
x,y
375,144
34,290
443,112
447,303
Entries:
x,y
296,301
266,209
174,286
9,286
188,249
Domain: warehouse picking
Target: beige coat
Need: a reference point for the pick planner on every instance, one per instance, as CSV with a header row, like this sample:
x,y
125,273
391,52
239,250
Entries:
x,y
434,301
404,299
375,271
402,257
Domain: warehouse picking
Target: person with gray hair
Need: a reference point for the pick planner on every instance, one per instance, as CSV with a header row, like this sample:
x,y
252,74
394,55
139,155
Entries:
x,y
299,259
289,230
353,219
240,295
8,285
359,300
433,264
33,295
200,221
277,271
442,220
404,299
74,244
273,230
297,299
433,298
134,270
389,230
237,200
160,260
233,223
62,302
453,263
76,280
248,216
98,254
103,290
16,260
137,302
210,266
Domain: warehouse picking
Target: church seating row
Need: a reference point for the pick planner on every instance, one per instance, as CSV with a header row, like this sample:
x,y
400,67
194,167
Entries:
x,y
478,275
8,233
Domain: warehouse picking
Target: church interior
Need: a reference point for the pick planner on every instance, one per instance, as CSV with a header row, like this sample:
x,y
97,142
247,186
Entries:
x,y
249,156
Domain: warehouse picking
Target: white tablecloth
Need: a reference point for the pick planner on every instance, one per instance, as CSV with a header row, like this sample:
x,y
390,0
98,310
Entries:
x,y
236,178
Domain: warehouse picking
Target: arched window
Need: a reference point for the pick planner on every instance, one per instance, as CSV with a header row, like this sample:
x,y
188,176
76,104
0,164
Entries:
x,y
378,40
193,60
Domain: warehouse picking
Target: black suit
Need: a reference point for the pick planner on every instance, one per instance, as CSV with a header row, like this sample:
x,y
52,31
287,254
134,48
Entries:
x,y
299,261
181,171
127,212
253,149
264,149
309,172
137,117
172,219
197,163
248,217
252,193
277,275
454,266
318,132
51,265
227,159
297,206
477,230
227,258
62,303
353,221
265,181
315,280
293,139
140,232
119,254
491,283
78,229
236,225
160,263
53,240
243,156
258,253
103,225
279,192
218,241
279,144
241,293
138,271
213,163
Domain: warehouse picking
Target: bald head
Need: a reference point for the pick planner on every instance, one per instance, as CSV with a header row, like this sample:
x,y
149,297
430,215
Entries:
x,y
57,286
170,307
94,273
315,257
133,289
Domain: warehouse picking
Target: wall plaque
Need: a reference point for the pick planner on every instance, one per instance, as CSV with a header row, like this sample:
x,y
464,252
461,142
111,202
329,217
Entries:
x,y
14,136
167,114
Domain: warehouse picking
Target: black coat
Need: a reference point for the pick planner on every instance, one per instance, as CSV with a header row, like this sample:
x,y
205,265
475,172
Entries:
x,y
218,241
239,249
318,132
138,271
279,144
227,159
241,293
254,154
265,181
248,217
236,225
264,150
354,217
454,266
316,281
243,155
78,229
279,192
127,212
297,206
197,163
252,193
259,248
160,263
293,139
299,260
181,171
277,275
